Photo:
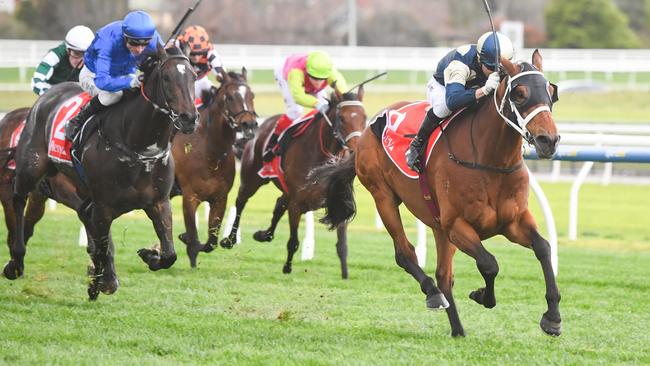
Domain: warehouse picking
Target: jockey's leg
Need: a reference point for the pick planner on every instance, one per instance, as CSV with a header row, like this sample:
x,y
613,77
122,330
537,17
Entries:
x,y
436,95
271,148
90,109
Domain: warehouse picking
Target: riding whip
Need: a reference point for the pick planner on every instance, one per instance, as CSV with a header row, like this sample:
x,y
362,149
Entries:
x,y
494,34
367,81
181,22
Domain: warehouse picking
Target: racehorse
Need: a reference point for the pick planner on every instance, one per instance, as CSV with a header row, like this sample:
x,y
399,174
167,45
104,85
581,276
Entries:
x,y
205,162
57,187
476,199
126,162
327,136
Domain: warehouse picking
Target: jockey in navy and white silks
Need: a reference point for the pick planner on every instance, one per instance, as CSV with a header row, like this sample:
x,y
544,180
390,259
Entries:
x,y
463,76
111,62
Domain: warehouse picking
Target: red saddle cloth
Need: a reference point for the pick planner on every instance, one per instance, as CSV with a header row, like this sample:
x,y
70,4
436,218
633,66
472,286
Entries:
x,y
13,142
273,168
59,147
403,122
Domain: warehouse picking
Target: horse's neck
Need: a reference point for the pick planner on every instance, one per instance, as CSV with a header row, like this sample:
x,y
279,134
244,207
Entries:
x,y
322,133
143,129
219,134
497,144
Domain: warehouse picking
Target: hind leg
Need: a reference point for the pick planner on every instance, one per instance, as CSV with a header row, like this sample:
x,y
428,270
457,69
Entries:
x,y
467,240
342,248
525,233
160,215
445,279
10,217
104,278
388,208
190,237
250,183
278,211
34,213
293,242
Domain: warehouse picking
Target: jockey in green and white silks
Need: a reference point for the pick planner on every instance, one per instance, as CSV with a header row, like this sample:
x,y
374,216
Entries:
x,y
63,62
463,76
303,79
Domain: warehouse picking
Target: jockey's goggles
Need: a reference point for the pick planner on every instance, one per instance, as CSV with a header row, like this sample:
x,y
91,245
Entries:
x,y
137,41
315,78
75,53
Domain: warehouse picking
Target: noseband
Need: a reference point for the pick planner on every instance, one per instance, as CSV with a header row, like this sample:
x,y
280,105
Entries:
x,y
228,115
165,109
338,122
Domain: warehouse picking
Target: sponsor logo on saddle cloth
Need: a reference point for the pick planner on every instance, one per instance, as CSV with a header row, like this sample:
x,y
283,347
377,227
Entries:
x,y
402,122
59,147
13,142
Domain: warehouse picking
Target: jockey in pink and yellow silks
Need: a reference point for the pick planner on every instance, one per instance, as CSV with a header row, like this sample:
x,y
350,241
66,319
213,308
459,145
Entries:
x,y
303,79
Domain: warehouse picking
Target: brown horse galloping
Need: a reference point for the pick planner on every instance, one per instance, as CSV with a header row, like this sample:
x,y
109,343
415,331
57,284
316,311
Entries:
x,y
320,142
477,200
205,162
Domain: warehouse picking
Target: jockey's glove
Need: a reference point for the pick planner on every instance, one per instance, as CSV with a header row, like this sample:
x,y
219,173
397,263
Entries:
x,y
322,106
135,82
491,83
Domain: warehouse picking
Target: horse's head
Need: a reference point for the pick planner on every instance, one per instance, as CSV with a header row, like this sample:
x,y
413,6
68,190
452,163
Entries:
x,y
234,99
169,86
531,99
348,117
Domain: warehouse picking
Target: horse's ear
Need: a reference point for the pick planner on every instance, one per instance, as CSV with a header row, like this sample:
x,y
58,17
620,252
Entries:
x,y
510,68
160,51
360,92
337,93
244,73
537,60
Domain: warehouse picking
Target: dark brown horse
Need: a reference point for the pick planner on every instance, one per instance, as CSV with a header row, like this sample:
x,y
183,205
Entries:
x,y
127,163
57,187
326,137
480,197
205,162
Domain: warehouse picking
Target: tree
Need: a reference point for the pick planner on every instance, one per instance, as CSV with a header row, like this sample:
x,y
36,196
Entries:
x,y
588,24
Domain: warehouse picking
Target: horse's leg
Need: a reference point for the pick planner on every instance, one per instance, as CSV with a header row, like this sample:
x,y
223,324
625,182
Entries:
x,y
160,215
104,278
84,213
215,219
526,234
34,212
405,256
10,216
445,279
278,211
250,183
342,248
293,242
467,240
191,236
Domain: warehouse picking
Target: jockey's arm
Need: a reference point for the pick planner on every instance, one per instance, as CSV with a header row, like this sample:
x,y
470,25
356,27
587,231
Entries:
x,y
214,59
456,95
341,84
44,72
296,81
103,78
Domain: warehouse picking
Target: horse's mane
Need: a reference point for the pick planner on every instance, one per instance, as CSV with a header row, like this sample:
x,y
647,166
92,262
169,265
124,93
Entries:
x,y
207,96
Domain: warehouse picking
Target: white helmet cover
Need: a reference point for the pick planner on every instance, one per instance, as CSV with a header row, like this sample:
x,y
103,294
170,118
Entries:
x,y
79,38
486,49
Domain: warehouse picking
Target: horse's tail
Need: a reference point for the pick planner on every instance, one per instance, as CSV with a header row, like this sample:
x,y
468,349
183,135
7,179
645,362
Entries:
x,y
337,177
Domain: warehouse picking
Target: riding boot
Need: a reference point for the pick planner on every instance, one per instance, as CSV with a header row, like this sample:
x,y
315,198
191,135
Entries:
x,y
75,124
269,152
420,142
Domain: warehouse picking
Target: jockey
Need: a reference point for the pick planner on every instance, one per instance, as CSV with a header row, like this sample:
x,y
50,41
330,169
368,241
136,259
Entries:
x,y
195,42
302,79
462,77
63,62
110,63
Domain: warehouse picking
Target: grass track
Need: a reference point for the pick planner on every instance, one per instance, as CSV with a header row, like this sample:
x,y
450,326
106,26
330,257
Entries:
x,y
238,308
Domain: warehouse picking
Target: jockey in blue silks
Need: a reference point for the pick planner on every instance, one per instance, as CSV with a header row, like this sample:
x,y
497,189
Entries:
x,y
465,75
111,61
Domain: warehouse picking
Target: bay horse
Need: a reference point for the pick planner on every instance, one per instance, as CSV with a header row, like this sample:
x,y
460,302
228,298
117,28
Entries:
x,y
326,137
127,162
205,161
57,187
477,199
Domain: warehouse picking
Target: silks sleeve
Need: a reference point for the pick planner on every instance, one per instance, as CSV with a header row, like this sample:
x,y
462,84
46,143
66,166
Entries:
x,y
296,80
341,84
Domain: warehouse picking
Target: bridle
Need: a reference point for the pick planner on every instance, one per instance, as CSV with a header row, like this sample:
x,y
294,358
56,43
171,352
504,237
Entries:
x,y
532,78
166,109
338,122
227,114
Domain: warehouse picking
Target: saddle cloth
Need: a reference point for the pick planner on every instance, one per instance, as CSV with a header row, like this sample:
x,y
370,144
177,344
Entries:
x,y
58,146
13,142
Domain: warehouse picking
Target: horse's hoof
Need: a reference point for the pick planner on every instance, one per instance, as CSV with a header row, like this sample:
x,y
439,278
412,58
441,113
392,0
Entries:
x,y
437,302
166,262
149,255
227,242
183,237
458,332
207,248
12,271
192,253
108,287
263,235
286,269
551,327
480,298
92,292
90,269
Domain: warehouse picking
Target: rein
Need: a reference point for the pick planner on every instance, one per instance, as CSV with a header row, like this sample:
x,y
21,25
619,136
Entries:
x,y
342,141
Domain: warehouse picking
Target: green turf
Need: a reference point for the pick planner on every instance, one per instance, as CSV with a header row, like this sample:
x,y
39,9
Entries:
x,y
238,308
